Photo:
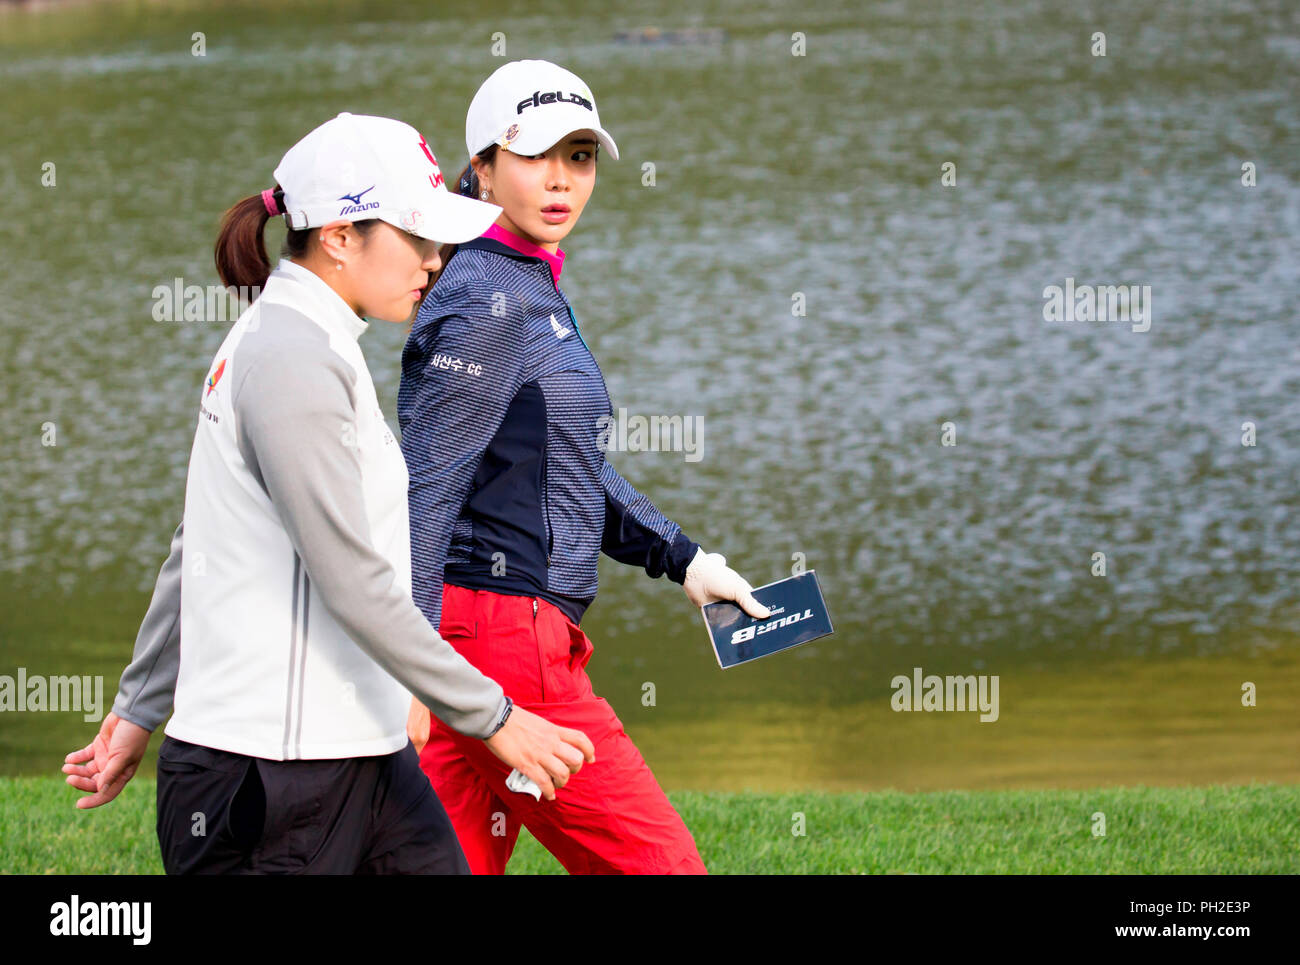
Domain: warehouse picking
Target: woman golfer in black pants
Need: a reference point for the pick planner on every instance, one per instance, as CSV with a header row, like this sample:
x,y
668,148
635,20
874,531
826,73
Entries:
x,y
287,751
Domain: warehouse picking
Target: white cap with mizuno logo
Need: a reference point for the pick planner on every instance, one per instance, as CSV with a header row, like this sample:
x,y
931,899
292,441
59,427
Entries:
x,y
526,106
357,166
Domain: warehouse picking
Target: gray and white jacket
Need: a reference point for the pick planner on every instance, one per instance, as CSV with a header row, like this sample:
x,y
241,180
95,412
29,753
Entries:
x,y
289,578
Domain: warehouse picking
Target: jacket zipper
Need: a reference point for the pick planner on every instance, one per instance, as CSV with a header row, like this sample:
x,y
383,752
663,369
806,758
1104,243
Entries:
x,y
550,530
574,319
546,512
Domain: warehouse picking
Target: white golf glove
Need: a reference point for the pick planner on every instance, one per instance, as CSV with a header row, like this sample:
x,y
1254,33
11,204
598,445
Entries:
x,y
709,579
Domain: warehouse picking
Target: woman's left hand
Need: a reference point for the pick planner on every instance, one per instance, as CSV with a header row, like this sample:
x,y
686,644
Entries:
x,y
709,579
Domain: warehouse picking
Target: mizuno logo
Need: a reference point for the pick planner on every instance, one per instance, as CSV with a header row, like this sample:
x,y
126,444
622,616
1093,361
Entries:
x,y
356,198
560,330
356,205
553,97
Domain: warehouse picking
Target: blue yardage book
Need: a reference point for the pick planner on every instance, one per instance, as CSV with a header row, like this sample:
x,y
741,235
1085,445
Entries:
x,y
798,615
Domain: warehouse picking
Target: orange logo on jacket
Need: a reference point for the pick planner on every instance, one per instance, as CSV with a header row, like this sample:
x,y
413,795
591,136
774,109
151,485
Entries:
x,y
215,377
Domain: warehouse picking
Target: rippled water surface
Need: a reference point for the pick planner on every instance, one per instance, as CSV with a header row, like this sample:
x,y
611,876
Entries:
x,y
778,179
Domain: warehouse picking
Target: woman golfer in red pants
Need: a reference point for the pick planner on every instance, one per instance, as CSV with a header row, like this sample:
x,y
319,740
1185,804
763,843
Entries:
x,y
503,413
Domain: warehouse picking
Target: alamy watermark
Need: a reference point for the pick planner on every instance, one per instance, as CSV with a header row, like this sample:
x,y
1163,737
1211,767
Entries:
x,y
179,302
129,919
22,693
1102,303
656,433
931,692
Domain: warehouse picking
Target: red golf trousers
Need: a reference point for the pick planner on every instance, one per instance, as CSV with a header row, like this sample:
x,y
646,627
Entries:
x,y
611,817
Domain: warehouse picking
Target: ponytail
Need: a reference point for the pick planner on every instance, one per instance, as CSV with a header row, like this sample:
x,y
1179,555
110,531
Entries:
x,y
241,253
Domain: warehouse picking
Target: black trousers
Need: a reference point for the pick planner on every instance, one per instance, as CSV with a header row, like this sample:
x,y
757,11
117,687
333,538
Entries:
x,y
225,813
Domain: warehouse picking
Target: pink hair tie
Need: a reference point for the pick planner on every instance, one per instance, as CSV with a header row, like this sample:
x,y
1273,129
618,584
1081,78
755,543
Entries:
x,y
268,199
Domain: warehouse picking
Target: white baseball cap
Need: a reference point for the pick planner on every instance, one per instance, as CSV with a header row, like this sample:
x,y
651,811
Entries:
x,y
356,166
526,106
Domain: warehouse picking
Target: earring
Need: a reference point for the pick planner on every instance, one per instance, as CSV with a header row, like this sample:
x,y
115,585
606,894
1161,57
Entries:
x,y
483,195
338,265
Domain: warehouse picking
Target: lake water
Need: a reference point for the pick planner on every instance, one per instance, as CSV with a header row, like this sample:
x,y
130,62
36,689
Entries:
x,y
785,179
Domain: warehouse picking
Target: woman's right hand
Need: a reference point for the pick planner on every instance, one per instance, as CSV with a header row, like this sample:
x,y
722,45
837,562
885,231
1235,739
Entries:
x,y
103,766
540,750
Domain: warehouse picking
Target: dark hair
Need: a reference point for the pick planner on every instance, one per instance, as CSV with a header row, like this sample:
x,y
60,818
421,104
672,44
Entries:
x,y
241,251
466,184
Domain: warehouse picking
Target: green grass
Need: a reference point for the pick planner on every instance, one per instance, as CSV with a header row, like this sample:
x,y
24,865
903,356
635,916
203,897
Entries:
x,y
1213,830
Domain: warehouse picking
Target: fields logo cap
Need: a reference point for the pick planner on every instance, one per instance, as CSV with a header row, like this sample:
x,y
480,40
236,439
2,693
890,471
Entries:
x,y
357,166
526,106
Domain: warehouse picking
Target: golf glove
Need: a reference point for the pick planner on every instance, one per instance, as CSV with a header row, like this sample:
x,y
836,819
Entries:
x,y
709,578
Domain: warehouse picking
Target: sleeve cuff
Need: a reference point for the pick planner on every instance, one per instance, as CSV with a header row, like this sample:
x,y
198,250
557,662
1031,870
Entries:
x,y
680,553
136,719
503,710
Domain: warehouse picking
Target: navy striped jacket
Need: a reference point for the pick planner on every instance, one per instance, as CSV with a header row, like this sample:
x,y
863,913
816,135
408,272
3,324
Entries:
x,y
499,409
